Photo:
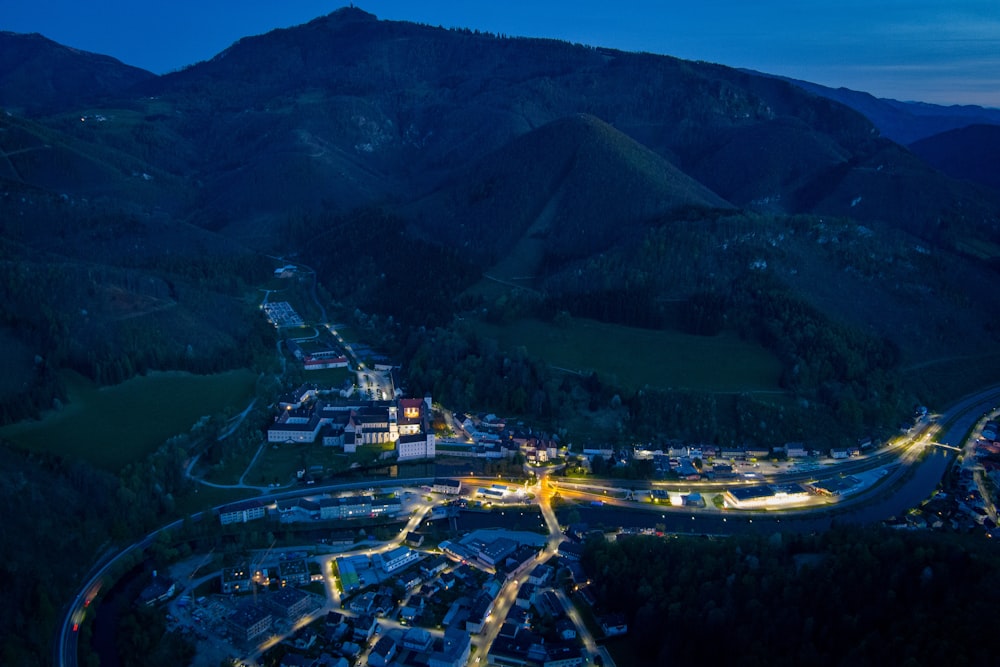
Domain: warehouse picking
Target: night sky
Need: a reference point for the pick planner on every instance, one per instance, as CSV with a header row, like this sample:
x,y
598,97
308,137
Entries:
x,y
941,51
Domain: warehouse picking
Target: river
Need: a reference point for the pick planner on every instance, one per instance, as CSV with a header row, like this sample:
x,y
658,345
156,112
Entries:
x,y
917,486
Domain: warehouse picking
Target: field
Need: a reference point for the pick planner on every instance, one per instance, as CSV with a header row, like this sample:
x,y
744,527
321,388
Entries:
x,y
278,463
113,426
633,358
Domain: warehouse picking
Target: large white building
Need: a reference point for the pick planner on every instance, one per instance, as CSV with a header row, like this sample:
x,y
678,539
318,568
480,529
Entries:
x,y
398,558
405,423
416,446
248,510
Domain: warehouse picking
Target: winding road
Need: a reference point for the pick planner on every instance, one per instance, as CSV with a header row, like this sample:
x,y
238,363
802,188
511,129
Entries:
x,y
956,424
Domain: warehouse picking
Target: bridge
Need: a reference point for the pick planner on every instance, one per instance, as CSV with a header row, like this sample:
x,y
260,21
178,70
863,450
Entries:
x,y
942,446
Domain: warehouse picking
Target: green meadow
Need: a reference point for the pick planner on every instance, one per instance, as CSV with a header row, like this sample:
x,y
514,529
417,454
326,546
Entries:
x,y
632,358
113,426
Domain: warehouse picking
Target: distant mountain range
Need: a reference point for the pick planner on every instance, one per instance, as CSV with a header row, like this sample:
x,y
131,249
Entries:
x,y
515,157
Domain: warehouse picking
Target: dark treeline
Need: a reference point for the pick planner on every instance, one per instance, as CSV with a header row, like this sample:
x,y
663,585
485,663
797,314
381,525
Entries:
x,y
851,596
72,514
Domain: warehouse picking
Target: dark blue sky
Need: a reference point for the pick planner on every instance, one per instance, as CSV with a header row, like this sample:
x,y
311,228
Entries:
x,y
942,51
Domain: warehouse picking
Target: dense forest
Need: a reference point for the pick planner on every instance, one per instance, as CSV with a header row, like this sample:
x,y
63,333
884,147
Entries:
x,y
851,596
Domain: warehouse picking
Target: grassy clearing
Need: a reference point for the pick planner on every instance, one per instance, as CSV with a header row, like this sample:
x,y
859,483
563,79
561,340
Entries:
x,y
113,426
633,358
230,469
280,461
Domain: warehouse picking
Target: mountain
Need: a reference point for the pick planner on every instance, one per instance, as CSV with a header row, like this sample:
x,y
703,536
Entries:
x,y
903,122
611,184
39,76
540,189
968,153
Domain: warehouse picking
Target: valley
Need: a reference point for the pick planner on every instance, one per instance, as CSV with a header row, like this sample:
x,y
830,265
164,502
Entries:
x,y
622,254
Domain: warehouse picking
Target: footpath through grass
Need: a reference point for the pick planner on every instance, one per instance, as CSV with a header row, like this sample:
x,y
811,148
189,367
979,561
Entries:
x,y
113,426
632,358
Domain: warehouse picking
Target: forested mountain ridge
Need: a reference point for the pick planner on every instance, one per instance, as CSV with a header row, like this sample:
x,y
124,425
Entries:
x,y
613,182
39,76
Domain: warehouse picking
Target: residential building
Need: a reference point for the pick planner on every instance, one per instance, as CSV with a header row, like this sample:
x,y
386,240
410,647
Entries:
x,y
249,623
300,425
613,625
362,604
480,611
294,572
453,651
418,639
382,653
398,558
236,579
415,446
242,512
290,603
449,486
364,628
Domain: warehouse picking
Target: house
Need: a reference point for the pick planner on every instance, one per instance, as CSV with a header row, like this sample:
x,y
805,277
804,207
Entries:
x,y
839,453
398,558
243,512
480,611
565,629
414,539
452,651
382,653
362,604
524,596
548,603
383,605
249,622
343,538
410,579
350,649
236,579
435,566
571,550
418,639
795,450
364,628
449,486
540,575
613,625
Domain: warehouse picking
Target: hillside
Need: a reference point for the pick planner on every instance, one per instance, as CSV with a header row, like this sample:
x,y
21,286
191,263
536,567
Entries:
x,y
575,187
39,76
614,185
969,153
903,122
